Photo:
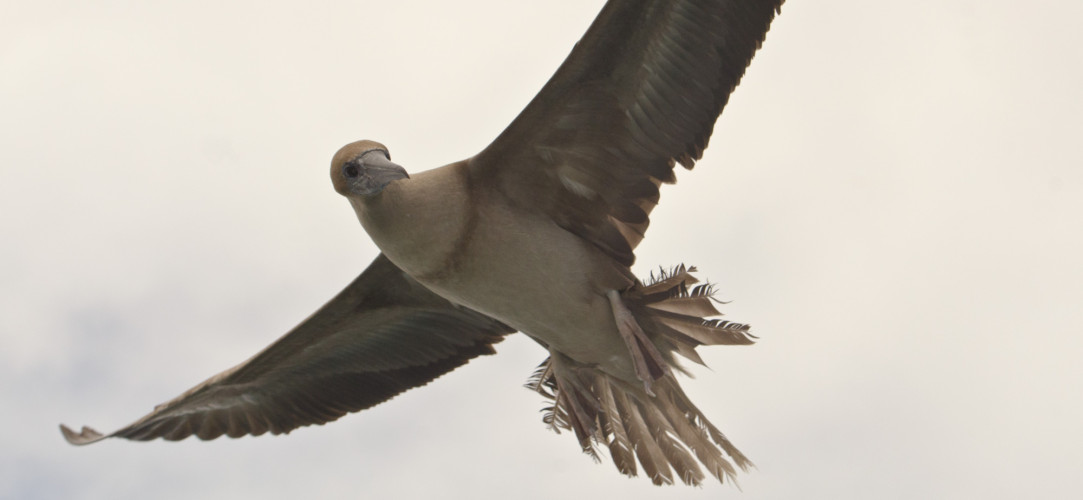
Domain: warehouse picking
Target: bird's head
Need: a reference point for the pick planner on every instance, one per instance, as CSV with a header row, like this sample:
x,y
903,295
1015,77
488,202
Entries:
x,y
364,168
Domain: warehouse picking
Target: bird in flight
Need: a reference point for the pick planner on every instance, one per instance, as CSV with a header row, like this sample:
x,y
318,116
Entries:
x,y
535,234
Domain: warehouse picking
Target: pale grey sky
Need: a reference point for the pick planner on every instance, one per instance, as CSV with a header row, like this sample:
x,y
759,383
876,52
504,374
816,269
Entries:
x,y
893,199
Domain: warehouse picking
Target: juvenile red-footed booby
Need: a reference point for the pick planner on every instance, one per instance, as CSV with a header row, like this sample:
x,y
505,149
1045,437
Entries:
x,y
534,234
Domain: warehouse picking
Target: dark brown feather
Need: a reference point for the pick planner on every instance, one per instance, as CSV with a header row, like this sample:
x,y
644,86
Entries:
x,y
639,93
382,335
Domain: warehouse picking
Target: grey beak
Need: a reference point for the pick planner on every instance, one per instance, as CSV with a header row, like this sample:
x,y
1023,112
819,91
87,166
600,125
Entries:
x,y
382,170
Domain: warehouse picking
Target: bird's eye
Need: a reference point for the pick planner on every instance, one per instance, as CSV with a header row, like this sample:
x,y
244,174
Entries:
x,y
350,171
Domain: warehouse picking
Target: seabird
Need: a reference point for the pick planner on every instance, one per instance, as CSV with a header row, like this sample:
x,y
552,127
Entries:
x,y
536,234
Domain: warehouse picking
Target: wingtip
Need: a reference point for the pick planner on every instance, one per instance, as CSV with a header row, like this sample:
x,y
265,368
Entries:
x,y
85,436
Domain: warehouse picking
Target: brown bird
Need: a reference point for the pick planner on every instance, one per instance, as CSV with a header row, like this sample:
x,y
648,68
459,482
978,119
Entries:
x,y
535,234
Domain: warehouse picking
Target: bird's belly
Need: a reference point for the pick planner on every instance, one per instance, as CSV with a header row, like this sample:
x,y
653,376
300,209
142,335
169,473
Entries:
x,y
543,281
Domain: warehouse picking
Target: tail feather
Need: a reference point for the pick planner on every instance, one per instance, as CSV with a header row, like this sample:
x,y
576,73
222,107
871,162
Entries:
x,y
665,432
621,447
699,433
650,455
677,453
688,306
708,332
676,313
665,280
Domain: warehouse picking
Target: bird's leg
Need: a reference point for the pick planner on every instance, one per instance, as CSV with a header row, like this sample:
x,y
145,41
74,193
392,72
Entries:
x,y
647,360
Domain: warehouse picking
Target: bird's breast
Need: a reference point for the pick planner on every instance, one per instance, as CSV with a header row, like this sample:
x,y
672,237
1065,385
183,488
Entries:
x,y
508,262
524,270
420,223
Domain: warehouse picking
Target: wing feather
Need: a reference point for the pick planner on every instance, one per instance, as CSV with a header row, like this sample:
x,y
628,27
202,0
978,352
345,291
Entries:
x,y
638,94
384,334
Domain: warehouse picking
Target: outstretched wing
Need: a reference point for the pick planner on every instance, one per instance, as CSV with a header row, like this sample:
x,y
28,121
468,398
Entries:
x,y
385,333
640,92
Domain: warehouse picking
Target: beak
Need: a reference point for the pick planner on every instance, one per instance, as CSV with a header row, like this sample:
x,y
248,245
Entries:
x,y
382,171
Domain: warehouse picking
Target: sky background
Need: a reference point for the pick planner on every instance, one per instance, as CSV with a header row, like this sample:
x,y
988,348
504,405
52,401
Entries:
x,y
893,199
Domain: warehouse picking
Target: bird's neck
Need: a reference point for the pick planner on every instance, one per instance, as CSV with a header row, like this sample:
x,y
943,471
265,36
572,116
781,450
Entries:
x,y
420,223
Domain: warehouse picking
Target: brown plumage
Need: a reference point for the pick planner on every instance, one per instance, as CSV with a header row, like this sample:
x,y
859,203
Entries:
x,y
665,431
382,335
534,234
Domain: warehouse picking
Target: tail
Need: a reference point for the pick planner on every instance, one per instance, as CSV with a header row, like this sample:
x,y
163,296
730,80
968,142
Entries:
x,y
665,432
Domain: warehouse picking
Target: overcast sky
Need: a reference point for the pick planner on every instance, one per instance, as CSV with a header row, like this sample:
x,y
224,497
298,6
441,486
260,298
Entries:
x,y
893,199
